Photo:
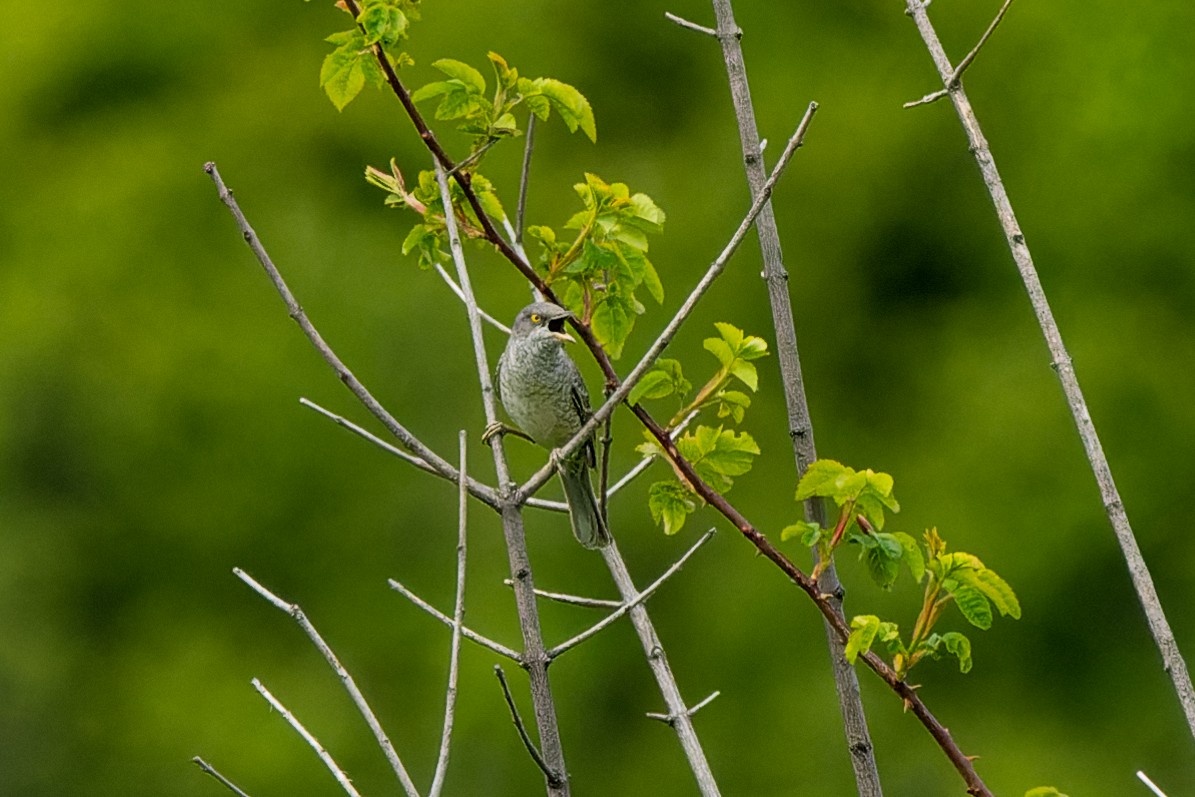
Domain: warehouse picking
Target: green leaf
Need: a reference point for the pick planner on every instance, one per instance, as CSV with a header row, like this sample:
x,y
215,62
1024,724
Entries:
x,y
652,281
461,71
809,533
820,479
670,503
733,403
998,592
341,74
571,104
718,454
613,319
882,553
654,384
863,632
960,647
913,557
507,77
972,603
383,23
646,214
432,90
1044,791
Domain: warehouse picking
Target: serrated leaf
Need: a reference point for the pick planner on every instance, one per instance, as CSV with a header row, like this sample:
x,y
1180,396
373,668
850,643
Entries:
x,y
998,592
746,374
342,76
731,334
613,319
883,559
571,104
718,454
960,647
820,479
670,504
655,384
720,349
733,403
972,603
863,632
646,213
467,75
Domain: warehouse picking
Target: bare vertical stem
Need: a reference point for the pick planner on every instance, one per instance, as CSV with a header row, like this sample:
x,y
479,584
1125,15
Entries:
x,y
458,618
534,658
800,426
680,716
1060,361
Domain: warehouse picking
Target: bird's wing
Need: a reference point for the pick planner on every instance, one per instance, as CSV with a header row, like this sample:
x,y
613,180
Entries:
x,y
498,379
579,395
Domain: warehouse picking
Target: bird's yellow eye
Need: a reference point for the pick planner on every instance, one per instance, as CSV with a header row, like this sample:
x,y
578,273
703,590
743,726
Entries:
x,y
536,318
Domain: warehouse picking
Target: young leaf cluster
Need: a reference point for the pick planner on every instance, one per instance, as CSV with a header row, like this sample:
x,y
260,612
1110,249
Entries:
x,y
950,578
489,117
861,497
428,240
352,64
717,454
599,268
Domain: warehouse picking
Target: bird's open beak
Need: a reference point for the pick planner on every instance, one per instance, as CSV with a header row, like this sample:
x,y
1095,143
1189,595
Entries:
x,y
556,327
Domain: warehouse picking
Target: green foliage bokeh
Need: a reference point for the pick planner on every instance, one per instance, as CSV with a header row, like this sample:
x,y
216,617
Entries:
x,y
151,436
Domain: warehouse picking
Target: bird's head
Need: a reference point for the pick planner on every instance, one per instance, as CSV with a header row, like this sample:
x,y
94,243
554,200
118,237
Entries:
x,y
542,319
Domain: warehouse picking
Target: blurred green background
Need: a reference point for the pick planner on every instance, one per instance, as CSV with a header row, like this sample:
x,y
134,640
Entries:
x,y
151,436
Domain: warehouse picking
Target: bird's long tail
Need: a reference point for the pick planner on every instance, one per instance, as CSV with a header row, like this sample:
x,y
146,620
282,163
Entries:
x,y
588,525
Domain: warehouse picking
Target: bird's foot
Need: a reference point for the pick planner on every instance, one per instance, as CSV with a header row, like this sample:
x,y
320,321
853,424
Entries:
x,y
498,429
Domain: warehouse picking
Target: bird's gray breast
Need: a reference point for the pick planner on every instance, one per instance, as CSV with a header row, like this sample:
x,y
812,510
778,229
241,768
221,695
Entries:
x,y
536,381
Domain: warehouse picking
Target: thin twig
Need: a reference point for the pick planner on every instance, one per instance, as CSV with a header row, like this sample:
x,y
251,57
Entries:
x,y
467,632
670,719
693,26
323,754
489,319
457,622
551,775
350,685
957,73
800,425
482,492
228,784
1152,786
408,440
712,273
1060,361
524,183
609,619
572,600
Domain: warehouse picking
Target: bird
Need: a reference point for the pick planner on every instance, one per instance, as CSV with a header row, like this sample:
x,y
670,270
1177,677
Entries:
x,y
542,391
